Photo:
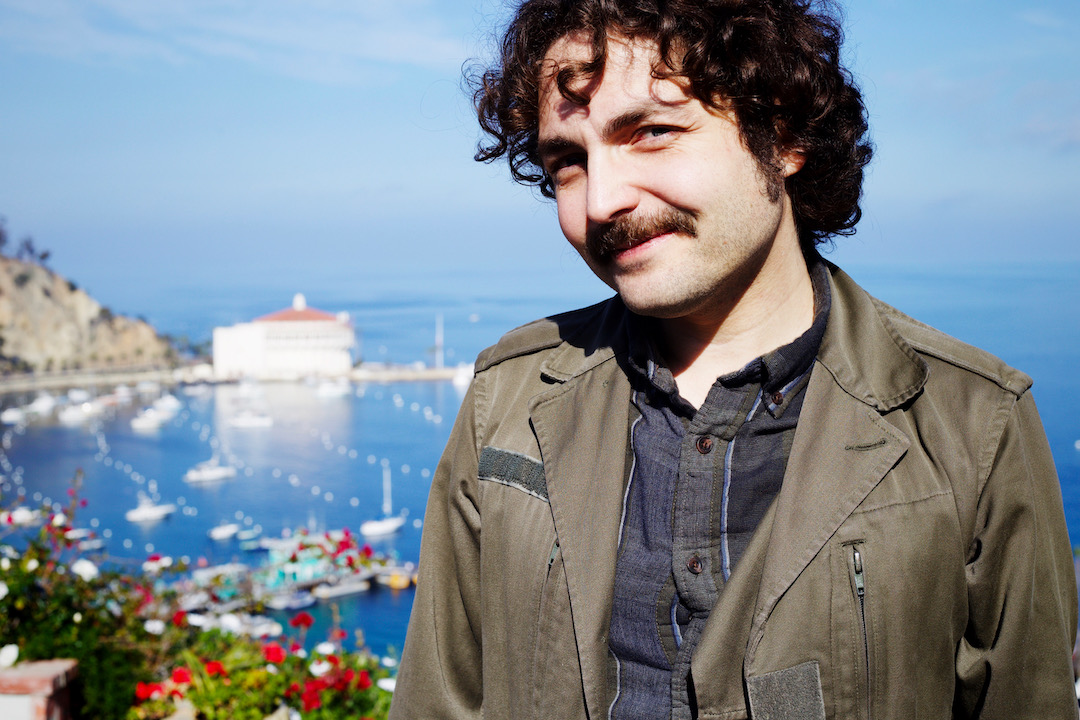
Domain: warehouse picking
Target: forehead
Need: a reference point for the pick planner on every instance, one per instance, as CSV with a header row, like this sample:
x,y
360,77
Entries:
x,y
627,78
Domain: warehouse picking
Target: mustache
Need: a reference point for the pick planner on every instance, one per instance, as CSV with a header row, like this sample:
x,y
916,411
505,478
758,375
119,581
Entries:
x,y
625,231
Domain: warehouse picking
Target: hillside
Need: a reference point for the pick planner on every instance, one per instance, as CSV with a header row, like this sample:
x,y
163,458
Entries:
x,y
47,324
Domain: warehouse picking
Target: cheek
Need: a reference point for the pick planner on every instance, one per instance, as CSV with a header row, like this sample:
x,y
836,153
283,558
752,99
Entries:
x,y
572,218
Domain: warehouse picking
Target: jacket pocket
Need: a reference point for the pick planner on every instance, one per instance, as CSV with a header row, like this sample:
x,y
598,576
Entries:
x,y
556,690
858,574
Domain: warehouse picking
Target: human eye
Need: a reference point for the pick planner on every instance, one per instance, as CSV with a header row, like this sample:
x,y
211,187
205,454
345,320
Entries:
x,y
562,167
655,136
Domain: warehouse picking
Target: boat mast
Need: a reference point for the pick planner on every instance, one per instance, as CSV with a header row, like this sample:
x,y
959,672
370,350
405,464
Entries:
x,y
439,353
387,505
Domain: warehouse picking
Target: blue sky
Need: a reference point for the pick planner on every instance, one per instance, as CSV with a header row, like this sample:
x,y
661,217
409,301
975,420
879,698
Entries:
x,y
160,147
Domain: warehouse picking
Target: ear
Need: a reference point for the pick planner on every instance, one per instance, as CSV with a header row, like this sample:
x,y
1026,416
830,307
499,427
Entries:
x,y
792,161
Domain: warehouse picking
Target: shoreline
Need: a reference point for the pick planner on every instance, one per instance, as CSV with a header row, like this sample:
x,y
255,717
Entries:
x,y
190,375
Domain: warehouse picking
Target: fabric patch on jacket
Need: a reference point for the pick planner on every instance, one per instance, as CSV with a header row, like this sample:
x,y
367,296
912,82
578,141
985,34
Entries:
x,y
513,469
790,694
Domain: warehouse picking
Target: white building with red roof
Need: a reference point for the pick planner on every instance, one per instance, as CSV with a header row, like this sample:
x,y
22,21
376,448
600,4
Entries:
x,y
289,344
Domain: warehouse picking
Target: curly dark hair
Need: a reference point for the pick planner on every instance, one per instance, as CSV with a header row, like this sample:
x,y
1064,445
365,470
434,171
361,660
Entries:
x,y
774,63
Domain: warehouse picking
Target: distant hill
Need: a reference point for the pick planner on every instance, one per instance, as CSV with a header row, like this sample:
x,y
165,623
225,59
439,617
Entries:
x,y
47,324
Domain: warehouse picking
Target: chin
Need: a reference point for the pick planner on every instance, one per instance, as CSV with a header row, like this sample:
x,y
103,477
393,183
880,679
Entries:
x,y
652,307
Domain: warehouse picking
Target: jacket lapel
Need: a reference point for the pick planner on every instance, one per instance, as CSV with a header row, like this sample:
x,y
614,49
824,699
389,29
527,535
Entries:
x,y
836,460
844,444
581,427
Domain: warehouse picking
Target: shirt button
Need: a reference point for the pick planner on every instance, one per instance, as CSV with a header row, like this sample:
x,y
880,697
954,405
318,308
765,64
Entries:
x,y
704,444
777,398
694,565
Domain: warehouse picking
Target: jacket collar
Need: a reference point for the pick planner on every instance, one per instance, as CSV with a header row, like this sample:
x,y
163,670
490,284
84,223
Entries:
x,y
587,345
864,353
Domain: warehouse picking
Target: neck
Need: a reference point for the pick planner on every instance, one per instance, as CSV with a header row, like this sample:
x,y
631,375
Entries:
x,y
775,307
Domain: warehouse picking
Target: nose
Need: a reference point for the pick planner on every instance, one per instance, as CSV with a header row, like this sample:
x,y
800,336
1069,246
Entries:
x,y
612,189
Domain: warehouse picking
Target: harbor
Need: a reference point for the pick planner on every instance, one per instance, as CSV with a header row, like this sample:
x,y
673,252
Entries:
x,y
318,467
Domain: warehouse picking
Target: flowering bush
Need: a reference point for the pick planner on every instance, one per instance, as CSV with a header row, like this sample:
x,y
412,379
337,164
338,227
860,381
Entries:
x,y
138,653
228,678
55,604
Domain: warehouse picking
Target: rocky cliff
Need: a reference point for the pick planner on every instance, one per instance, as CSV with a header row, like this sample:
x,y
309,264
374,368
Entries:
x,y
48,324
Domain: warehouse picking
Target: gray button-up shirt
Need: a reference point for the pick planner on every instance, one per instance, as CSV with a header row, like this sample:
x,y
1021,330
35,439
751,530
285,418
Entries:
x,y
700,482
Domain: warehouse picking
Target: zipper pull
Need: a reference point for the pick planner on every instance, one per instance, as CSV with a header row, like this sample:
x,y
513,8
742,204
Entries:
x,y
554,552
860,586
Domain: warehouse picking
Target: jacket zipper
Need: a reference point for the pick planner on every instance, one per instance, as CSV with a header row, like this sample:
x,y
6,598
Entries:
x,y
860,593
554,552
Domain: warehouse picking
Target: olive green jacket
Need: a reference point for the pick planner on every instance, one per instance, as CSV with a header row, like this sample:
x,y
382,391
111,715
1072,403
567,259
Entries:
x,y
915,563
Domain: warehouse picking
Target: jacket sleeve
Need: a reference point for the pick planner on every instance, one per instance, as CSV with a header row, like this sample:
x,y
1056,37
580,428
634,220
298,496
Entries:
x,y
440,673
1014,661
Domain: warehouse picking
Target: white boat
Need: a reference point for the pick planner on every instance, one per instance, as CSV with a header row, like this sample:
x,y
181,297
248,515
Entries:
x,y
397,577
147,510
13,416
123,394
168,404
340,387
148,387
248,418
343,588
389,523
223,531
198,390
148,420
382,527
297,600
21,516
209,471
43,404
77,396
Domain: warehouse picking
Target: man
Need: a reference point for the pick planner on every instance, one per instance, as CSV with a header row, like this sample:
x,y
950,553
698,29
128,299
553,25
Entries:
x,y
741,487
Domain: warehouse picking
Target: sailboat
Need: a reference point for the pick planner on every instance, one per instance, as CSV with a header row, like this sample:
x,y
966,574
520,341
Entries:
x,y
389,523
209,471
148,510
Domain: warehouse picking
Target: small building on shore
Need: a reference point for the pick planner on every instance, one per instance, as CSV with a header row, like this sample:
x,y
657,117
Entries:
x,y
289,344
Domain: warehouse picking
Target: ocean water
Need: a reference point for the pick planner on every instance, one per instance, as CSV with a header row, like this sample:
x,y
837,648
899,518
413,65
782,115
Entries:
x,y
320,465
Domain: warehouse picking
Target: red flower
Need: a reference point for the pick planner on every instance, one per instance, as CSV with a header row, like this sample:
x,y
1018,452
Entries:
x,y
146,691
310,700
181,675
363,680
154,558
341,684
273,653
293,689
295,647
333,660
214,667
366,551
302,619
338,634
179,617
82,503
